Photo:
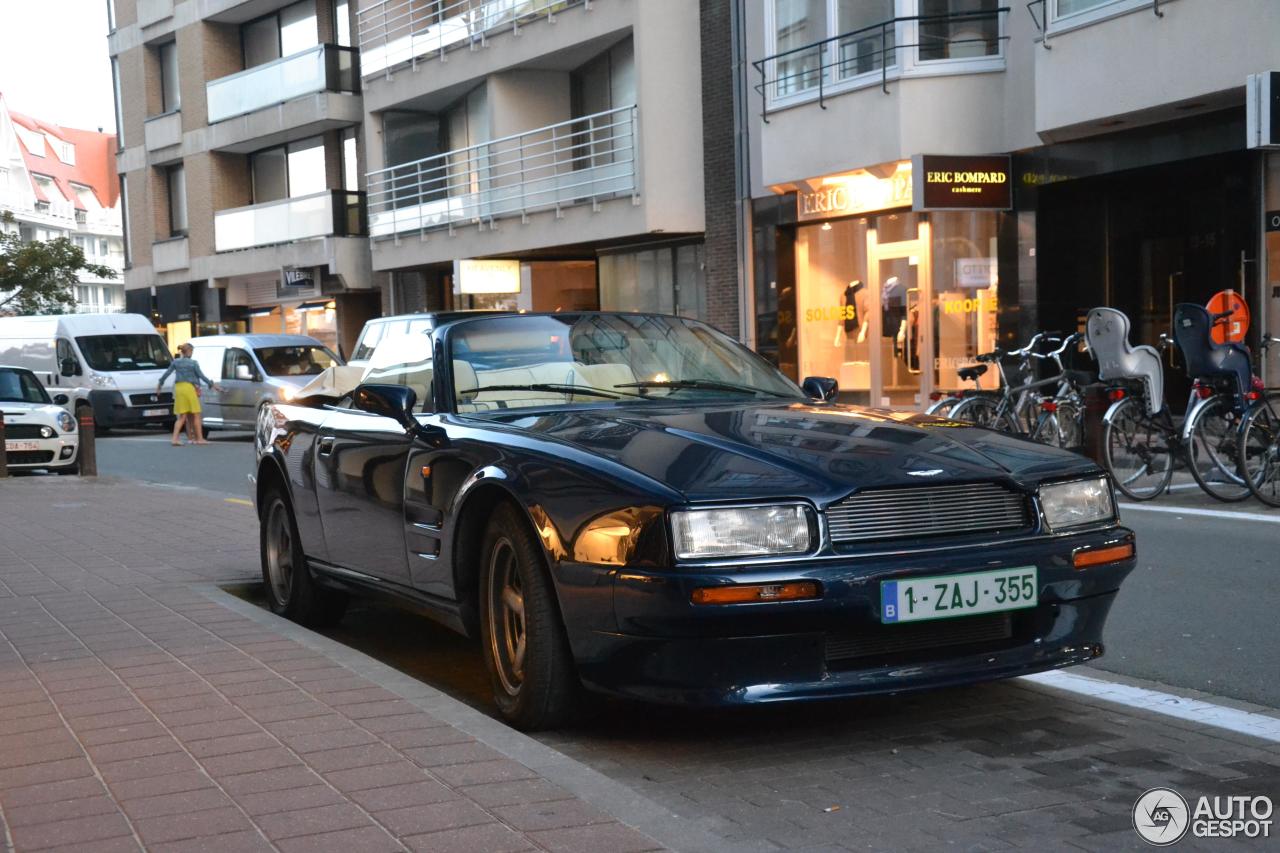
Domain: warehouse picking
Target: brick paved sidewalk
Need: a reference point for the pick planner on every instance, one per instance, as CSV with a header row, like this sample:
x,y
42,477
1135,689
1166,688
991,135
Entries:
x,y
137,710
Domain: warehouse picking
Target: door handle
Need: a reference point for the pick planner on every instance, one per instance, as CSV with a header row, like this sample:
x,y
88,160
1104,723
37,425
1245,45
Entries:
x,y
325,445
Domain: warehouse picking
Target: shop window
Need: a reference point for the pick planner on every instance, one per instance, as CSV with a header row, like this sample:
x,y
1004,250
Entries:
x,y
834,305
666,280
965,305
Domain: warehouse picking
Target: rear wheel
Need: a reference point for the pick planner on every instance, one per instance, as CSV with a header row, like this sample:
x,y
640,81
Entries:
x,y
526,652
1047,430
1136,452
1260,451
1214,451
291,591
979,411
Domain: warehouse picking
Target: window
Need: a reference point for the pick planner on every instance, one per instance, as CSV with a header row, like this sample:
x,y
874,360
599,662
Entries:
x,y
295,361
283,33
104,248
176,180
666,280
124,219
288,171
115,82
124,352
21,386
237,360
964,29
111,16
605,83
342,22
404,360
869,45
797,23
170,96
1066,8
467,124
350,160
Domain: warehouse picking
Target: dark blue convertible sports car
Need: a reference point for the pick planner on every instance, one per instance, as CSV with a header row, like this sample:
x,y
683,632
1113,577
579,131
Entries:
x,y
635,504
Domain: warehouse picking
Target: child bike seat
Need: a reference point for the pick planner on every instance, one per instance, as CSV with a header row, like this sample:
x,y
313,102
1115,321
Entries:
x,y
1206,358
972,372
1107,331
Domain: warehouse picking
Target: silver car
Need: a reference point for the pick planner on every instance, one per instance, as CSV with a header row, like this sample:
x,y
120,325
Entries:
x,y
253,370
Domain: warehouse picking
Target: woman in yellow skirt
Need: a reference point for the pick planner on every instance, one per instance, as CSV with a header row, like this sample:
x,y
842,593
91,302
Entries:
x,y
187,376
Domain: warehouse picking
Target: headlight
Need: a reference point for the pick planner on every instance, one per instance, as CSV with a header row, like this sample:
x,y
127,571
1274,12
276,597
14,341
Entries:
x,y
740,531
46,432
287,393
67,422
102,381
1076,503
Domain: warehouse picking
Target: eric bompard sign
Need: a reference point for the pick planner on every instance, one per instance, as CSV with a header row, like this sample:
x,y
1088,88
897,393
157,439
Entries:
x,y
962,183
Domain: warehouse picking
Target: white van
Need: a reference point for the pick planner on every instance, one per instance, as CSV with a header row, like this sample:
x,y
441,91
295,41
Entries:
x,y
111,361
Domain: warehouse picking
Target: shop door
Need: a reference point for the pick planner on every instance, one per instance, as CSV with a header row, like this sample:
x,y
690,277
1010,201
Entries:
x,y
899,275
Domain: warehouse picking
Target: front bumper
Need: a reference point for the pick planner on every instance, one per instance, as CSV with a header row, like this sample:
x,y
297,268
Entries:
x,y
110,409
665,649
57,452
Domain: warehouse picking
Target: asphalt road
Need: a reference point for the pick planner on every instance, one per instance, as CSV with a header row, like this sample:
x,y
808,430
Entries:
x,y
1199,612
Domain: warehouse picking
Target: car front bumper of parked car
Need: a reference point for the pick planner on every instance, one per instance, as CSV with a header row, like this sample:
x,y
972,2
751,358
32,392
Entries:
x,y
667,649
59,451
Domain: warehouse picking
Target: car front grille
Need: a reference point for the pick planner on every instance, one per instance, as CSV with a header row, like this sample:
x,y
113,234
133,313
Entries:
x,y
151,399
879,640
29,457
923,511
12,431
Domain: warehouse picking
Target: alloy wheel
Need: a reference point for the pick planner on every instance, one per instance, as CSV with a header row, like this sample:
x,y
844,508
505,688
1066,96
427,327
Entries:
x,y
507,635
280,554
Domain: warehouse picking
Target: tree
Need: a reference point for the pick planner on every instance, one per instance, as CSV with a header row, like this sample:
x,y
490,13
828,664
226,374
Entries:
x,y
38,277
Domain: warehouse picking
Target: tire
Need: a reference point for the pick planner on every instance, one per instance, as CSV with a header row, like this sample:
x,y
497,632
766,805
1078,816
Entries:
x,y
526,651
1047,430
291,591
1260,451
943,408
1136,452
1213,451
979,411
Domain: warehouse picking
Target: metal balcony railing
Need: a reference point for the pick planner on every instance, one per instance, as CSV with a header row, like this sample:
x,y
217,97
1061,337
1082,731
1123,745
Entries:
x,y
877,52
332,213
397,31
582,160
322,68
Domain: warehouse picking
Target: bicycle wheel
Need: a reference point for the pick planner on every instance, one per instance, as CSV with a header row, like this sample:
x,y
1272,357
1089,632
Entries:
x,y
1070,425
979,411
944,407
1136,452
1048,430
1260,450
1212,451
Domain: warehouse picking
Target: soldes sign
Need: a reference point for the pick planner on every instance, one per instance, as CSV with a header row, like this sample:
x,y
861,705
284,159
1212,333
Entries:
x,y
962,183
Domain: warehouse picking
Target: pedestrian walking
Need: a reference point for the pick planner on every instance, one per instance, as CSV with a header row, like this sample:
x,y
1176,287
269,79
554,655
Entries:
x,y
187,377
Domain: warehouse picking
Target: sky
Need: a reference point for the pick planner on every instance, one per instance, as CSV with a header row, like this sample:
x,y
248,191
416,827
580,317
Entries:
x,y
54,64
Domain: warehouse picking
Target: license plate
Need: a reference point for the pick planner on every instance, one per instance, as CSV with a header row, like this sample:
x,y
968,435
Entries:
x,y
958,595
154,413
21,445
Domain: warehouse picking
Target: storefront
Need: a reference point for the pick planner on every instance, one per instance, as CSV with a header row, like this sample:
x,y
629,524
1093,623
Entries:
x,y
884,278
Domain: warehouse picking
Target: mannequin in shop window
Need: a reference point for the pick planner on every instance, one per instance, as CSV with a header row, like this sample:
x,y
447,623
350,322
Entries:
x,y
893,313
856,314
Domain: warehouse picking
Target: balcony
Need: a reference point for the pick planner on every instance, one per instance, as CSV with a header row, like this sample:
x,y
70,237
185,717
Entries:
x,y
332,213
323,68
393,32
581,161
914,46
170,255
163,131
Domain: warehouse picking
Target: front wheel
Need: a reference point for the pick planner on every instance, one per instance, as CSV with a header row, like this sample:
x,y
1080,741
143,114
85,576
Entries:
x,y
526,652
1214,437
1260,451
1136,452
291,591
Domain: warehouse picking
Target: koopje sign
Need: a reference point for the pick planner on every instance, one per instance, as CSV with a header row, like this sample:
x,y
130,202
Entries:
x,y
962,183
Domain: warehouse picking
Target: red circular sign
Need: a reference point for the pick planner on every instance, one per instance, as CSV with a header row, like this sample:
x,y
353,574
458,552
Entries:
x,y
1235,327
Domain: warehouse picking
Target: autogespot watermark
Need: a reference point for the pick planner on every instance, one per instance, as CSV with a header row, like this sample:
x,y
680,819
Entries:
x,y
1162,817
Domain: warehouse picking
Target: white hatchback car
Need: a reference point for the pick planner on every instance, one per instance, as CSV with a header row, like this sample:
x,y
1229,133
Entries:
x,y
38,433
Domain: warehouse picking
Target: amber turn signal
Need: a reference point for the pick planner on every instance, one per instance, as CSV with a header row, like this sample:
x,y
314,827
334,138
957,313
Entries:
x,y
748,593
1102,556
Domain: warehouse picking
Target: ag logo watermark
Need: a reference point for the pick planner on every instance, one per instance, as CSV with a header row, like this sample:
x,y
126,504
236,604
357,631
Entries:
x,y
1163,817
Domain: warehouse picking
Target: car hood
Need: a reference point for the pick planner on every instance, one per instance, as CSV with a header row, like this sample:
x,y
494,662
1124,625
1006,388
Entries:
x,y
791,449
31,411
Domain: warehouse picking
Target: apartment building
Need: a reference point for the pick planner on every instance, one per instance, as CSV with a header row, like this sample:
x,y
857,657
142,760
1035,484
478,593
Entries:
x,y
540,155
240,159
932,177
60,182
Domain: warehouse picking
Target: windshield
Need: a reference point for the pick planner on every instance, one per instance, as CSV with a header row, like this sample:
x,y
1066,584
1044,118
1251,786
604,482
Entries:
x,y
21,386
124,352
295,361
577,360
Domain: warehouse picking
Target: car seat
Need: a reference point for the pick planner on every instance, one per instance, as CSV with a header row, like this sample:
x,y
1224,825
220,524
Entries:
x,y
1205,357
1107,331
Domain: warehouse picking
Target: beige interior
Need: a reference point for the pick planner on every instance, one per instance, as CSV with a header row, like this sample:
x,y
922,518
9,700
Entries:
x,y
467,379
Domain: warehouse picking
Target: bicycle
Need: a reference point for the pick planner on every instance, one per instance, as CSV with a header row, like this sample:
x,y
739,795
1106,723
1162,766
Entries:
x,y
1061,420
1014,409
1259,441
944,403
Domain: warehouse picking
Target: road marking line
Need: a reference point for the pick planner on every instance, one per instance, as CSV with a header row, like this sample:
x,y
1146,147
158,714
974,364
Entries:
x,y
1192,710
240,501
1211,513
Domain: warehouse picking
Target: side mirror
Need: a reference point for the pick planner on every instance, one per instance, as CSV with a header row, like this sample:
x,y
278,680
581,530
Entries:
x,y
389,401
69,367
61,399
822,388
245,372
